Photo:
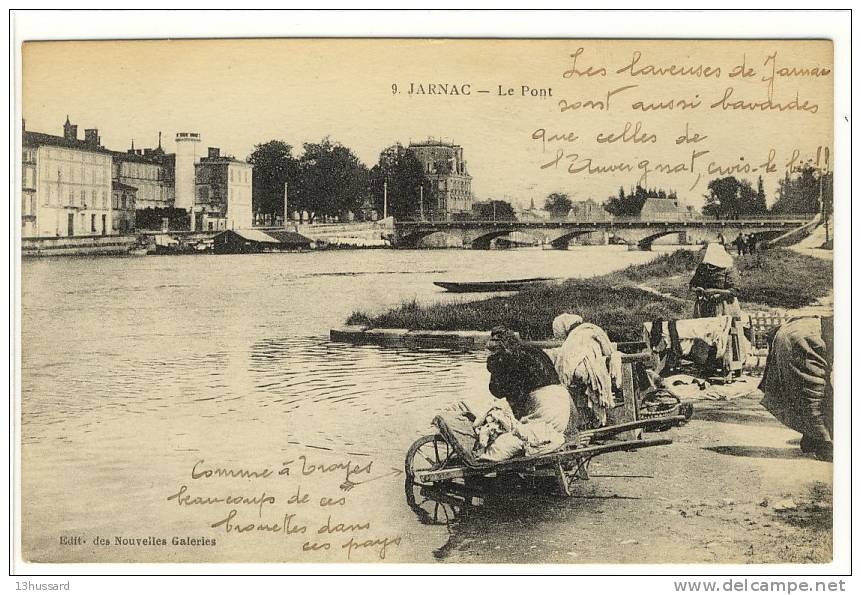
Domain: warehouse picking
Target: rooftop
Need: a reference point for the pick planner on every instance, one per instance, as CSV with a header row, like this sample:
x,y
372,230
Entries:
x,y
661,205
431,142
40,138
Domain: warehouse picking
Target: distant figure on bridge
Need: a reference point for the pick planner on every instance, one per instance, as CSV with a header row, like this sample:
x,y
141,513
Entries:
x,y
714,284
740,243
751,243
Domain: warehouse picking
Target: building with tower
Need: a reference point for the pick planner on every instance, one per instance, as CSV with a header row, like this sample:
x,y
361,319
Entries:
x,y
187,157
448,193
74,187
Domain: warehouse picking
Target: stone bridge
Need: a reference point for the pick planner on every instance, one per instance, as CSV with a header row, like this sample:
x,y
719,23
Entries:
x,y
558,234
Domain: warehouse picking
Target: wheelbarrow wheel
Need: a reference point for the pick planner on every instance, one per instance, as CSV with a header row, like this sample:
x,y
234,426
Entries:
x,y
428,453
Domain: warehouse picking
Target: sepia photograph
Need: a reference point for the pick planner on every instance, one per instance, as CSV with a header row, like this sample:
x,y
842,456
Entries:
x,y
431,299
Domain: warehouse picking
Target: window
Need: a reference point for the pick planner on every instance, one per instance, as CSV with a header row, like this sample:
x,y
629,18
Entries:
x,y
93,224
93,198
104,199
83,199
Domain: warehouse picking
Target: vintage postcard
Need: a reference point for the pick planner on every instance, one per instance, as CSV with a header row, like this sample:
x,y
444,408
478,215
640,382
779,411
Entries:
x,y
428,300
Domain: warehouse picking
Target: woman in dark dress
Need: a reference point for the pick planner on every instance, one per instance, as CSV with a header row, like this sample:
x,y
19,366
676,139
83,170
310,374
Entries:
x,y
526,378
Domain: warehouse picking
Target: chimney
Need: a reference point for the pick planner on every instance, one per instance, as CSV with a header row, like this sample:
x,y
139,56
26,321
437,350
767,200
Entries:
x,y
213,152
91,137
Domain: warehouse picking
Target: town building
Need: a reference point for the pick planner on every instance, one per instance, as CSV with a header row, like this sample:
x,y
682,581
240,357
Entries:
x,y
66,184
151,172
588,210
244,241
665,209
532,213
147,187
223,193
448,193
123,200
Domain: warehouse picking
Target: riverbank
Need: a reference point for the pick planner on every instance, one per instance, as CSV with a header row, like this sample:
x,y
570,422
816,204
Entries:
x,y
734,487
620,302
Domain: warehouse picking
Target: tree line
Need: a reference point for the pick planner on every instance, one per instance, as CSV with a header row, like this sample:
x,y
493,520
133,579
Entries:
x,y
807,193
329,180
802,194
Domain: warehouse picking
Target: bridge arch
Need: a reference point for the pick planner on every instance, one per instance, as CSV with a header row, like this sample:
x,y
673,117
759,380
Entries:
x,y
482,242
646,243
561,242
411,240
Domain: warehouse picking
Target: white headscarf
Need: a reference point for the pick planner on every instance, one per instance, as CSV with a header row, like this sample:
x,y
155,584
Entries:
x,y
716,255
563,324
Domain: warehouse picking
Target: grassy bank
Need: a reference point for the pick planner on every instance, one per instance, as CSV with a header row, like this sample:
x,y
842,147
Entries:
x,y
777,278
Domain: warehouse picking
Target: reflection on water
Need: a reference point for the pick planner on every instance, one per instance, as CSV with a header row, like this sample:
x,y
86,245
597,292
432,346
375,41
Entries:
x,y
132,366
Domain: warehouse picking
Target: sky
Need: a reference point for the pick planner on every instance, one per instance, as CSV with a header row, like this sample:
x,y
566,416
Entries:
x,y
238,93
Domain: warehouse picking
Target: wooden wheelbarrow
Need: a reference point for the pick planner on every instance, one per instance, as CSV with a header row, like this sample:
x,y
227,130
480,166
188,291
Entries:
x,y
448,454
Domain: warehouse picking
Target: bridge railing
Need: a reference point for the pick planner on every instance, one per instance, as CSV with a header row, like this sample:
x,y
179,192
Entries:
x,y
614,221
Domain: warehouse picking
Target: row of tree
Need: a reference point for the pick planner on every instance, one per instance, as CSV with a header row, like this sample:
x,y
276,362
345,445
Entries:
x,y
730,198
328,179
804,194
809,192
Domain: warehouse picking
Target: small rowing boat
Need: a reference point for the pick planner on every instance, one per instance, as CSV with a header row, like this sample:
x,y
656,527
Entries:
x,y
481,286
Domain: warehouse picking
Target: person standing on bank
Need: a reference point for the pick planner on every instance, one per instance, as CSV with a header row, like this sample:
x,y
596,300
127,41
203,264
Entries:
x,y
751,243
740,244
714,284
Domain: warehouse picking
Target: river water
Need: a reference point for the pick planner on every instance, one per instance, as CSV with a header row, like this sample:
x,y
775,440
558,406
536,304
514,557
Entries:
x,y
134,370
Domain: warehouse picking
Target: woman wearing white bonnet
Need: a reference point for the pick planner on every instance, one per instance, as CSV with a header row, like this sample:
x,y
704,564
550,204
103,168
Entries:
x,y
563,324
714,284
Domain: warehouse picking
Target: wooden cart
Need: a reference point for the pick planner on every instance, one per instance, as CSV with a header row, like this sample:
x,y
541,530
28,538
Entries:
x,y
448,455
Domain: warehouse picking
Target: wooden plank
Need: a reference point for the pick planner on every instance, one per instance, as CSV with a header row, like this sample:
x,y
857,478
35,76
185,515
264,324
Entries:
x,y
627,411
529,464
